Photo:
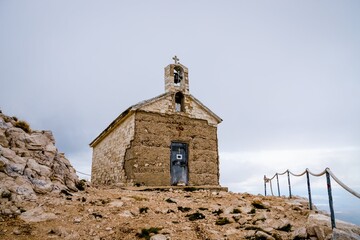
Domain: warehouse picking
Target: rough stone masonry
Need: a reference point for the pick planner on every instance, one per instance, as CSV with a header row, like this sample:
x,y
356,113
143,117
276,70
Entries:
x,y
170,139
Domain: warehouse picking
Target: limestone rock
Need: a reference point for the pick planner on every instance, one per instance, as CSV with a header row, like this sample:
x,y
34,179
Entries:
x,y
77,220
30,163
319,225
343,235
159,237
39,169
3,140
263,235
126,214
261,216
37,215
300,233
319,232
116,204
59,231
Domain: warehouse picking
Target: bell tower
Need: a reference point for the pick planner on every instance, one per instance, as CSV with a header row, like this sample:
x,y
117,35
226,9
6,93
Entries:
x,y
176,78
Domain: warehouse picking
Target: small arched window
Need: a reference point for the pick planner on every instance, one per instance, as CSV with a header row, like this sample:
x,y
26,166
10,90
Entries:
x,y
179,102
178,75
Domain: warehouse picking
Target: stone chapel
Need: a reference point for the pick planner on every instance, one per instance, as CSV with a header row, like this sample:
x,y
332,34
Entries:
x,y
170,139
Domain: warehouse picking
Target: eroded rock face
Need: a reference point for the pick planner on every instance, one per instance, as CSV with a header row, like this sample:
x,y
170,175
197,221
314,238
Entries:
x,y
30,165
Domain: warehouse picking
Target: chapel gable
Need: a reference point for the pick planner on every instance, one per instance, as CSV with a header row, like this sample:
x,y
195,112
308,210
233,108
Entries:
x,y
170,139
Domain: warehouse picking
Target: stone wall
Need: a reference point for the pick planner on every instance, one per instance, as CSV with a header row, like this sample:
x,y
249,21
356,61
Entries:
x,y
191,108
147,160
162,105
108,154
194,110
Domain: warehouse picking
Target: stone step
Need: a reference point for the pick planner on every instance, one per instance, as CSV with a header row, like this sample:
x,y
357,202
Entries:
x,y
184,188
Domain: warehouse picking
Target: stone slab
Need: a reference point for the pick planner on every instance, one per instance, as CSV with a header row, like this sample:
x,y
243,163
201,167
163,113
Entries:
x,y
184,188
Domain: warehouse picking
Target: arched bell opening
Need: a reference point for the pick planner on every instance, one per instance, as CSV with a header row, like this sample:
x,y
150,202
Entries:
x,y
178,75
179,102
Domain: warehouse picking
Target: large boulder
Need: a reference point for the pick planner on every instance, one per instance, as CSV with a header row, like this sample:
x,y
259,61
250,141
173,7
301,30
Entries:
x,y
319,226
30,164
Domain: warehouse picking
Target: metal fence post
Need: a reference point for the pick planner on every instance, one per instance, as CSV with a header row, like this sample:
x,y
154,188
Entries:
x,y
333,225
288,174
329,175
265,184
309,189
277,179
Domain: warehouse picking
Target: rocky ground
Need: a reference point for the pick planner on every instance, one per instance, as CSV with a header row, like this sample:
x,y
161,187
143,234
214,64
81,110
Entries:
x,y
172,214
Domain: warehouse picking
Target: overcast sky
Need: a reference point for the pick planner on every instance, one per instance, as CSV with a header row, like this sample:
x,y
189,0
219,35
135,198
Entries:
x,y
283,75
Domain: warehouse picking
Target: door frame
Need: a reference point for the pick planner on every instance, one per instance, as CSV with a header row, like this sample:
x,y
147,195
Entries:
x,y
186,148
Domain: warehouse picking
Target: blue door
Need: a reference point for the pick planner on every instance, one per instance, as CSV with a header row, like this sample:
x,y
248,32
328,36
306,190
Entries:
x,y
179,163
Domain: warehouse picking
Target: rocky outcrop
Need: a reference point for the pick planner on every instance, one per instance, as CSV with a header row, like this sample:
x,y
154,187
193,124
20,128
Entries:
x,y
30,165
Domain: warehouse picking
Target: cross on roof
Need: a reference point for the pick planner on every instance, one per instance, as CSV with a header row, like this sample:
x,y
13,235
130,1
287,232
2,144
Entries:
x,y
176,59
